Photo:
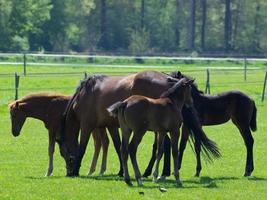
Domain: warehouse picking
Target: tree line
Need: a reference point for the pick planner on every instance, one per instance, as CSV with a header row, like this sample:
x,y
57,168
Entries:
x,y
134,26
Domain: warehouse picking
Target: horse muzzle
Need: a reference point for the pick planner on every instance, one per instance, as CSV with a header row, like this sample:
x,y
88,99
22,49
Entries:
x,y
15,132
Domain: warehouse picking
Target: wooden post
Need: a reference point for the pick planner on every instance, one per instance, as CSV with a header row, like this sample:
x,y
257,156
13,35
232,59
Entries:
x,y
207,90
85,75
264,87
16,85
245,69
24,64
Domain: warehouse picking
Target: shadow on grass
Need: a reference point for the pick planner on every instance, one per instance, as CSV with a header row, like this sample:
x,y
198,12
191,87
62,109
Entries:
x,y
204,182
254,178
44,177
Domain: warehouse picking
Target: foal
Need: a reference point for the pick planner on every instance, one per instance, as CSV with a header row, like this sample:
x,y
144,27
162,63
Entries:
x,y
49,107
139,114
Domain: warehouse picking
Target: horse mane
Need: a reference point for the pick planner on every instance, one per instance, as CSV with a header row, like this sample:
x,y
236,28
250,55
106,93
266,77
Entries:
x,y
171,91
88,84
36,96
179,75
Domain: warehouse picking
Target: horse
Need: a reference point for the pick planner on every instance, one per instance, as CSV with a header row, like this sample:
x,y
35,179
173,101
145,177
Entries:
x,y
214,110
49,107
139,114
87,111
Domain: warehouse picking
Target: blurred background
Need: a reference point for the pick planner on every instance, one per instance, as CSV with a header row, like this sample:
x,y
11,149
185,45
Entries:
x,y
146,27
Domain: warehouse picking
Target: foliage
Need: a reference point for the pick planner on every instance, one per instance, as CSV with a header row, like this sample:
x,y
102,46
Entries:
x,y
80,25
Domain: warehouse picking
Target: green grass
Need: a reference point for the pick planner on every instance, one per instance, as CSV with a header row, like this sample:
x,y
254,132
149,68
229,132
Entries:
x,y
24,159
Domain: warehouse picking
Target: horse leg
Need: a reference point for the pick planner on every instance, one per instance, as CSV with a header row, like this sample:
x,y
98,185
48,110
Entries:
x,y
160,149
137,137
249,141
149,168
84,138
97,144
105,144
114,132
197,150
126,133
174,142
51,149
185,135
167,158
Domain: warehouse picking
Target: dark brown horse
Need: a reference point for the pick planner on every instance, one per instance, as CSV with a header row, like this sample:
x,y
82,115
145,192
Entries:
x,y
214,110
87,111
49,107
139,114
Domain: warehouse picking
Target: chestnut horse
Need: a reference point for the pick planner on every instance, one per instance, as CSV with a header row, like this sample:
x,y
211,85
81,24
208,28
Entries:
x,y
214,110
49,107
87,111
139,114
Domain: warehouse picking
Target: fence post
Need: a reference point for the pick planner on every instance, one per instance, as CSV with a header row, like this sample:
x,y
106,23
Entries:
x,y
85,75
24,64
264,87
245,69
16,85
207,90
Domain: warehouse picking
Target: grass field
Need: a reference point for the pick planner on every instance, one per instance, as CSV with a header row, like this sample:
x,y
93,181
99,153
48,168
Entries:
x,y
24,159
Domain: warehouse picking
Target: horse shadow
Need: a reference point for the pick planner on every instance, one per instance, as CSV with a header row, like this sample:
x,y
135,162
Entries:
x,y
204,181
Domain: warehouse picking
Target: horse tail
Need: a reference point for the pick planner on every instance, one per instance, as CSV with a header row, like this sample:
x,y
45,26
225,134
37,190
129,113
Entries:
x,y
253,121
114,109
210,149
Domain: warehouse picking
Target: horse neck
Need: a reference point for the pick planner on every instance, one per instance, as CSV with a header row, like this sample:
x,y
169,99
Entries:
x,y
178,101
35,110
198,97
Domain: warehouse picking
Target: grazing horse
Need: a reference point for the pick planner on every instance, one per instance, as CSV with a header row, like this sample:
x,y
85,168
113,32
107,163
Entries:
x,y
214,110
49,107
139,114
87,111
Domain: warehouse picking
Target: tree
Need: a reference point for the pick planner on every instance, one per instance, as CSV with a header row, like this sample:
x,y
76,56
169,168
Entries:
x,y
192,24
103,25
203,25
227,26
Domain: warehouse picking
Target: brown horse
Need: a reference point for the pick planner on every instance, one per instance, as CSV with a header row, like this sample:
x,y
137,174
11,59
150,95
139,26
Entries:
x,y
139,114
49,107
87,110
214,110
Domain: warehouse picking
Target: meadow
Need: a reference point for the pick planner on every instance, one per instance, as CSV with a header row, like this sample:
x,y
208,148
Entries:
x,y
24,159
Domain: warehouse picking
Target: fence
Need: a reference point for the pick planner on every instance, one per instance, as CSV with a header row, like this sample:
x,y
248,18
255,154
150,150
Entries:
x,y
56,60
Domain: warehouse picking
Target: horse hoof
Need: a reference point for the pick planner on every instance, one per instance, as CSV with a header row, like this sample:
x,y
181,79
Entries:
x,y
120,174
48,174
247,174
139,182
161,178
197,175
154,179
146,174
179,183
128,182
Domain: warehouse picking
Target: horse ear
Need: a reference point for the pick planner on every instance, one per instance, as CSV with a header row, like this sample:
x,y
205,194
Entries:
x,y
189,82
179,74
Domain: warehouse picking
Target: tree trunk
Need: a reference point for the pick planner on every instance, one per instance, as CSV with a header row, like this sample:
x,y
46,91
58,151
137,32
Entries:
x,y
142,13
103,25
256,40
178,25
227,26
192,24
203,25
235,27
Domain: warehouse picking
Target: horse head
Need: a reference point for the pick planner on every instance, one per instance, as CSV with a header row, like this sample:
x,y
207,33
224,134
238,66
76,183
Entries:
x,y
181,89
17,116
